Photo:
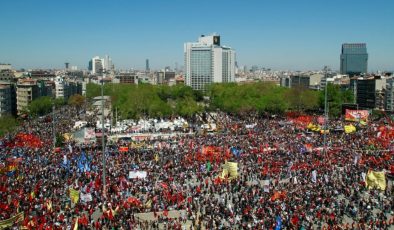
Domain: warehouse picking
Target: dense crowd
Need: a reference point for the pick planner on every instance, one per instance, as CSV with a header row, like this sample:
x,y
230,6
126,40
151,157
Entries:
x,y
286,179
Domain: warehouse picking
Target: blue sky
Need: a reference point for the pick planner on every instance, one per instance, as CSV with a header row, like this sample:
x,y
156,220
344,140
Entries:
x,y
280,34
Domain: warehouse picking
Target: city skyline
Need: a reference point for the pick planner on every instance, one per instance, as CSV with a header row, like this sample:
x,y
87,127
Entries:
x,y
299,35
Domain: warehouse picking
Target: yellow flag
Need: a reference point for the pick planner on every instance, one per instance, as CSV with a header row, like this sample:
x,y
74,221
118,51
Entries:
x,y
375,180
232,168
148,204
76,224
349,128
324,131
224,172
156,157
5,224
49,205
74,195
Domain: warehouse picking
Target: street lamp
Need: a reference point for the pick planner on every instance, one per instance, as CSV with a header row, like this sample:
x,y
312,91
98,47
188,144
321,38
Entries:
x,y
325,112
102,129
53,125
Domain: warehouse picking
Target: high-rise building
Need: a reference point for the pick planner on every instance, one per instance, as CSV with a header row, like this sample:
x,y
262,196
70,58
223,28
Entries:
x,y
354,59
147,68
389,96
370,92
5,100
206,62
97,65
108,65
28,90
4,66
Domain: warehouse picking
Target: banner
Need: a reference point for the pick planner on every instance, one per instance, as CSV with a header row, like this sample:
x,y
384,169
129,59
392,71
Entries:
x,y
123,149
313,127
349,128
375,180
356,115
137,174
86,197
11,221
74,195
232,168
278,195
266,185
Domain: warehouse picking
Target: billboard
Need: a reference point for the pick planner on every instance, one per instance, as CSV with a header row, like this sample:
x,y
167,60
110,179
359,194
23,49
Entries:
x,y
356,115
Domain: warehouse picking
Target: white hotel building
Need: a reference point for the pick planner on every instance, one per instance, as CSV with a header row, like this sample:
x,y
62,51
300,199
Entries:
x,y
207,62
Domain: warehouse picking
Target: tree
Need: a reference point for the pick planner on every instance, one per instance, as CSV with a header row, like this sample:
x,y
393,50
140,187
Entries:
x,y
302,99
76,100
7,124
40,106
335,98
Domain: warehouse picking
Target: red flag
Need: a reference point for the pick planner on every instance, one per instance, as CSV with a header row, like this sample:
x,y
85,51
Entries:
x,y
165,213
164,185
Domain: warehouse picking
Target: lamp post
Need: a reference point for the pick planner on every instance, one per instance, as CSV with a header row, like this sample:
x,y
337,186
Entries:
x,y
53,125
325,113
102,130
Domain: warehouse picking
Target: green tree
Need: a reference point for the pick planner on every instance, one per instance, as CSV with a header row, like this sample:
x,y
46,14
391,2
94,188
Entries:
x,y
335,98
40,106
7,124
76,100
302,99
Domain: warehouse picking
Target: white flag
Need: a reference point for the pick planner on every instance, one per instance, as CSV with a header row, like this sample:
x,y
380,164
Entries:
x,y
314,175
326,178
356,157
363,175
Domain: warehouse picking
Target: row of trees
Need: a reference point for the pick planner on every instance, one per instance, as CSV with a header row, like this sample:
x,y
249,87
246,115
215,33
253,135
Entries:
x,y
7,124
43,105
268,97
132,101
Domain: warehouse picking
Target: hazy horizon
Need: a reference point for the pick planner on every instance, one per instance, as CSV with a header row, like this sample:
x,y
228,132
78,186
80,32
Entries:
x,y
287,35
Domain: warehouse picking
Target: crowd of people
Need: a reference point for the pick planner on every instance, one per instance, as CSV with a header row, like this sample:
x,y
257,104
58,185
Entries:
x,y
286,178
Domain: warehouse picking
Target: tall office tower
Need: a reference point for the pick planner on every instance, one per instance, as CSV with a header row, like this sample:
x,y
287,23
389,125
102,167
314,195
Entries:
x,y
96,65
354,58
147,69
108,65
66,65
206,62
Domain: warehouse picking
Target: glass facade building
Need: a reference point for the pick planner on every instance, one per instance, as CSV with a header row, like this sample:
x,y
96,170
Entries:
x,y
354,59
207,62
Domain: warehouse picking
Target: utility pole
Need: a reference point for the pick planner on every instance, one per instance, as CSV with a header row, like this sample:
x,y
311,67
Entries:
x,y
325,111
102,130
53,125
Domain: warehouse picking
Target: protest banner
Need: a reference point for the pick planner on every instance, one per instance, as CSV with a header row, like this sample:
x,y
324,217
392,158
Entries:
x,y
86,197
349,128
4,224
137,174
356,115
375,180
